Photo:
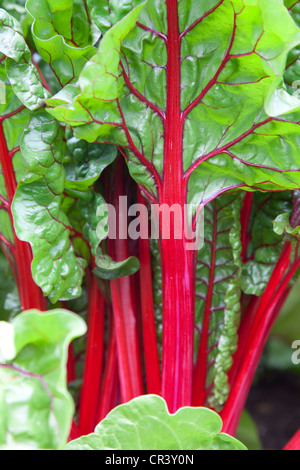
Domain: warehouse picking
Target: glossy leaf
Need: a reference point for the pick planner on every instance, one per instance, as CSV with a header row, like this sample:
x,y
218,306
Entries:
x,y
36,407
145,424
21,72
63,36
13,120
13,44
107,268
292,72
38,215
84,164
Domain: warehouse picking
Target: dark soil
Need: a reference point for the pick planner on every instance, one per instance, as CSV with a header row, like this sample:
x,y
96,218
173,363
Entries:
x,y
274,404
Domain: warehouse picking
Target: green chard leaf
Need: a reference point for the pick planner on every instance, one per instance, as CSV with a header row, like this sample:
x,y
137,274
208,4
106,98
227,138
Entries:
x,y
239,124
13,44
105,14
9,300
145,423
292,72
157,290
218,293
264,249
16,8
85,162
21,72
287,223
36,407
13,119
38,215
63,35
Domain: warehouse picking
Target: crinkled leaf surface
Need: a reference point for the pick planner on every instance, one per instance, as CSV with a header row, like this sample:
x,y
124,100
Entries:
x,y
21,72
16,8
107,268
84,164
26,82
218,294
239,125
157,289
64,35
144,423
36,407
38,215
13,119
12,42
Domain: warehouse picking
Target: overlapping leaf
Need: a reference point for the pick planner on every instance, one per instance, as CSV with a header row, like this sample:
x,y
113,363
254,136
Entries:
x,y
13,119
21,72
265,245
105,15
157,289
38,215
240,125
292,73
9,300
84,164
36,407
16,8
282,226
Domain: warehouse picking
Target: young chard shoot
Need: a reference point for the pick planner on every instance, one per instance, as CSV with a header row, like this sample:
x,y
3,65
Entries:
x,y
188,108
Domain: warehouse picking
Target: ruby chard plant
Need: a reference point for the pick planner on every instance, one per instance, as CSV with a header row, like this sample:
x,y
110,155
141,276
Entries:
x,y
188,109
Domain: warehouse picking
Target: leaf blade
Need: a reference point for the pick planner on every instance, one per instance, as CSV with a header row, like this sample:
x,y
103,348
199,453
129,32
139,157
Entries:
x,y
144,423
38,216
33,386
